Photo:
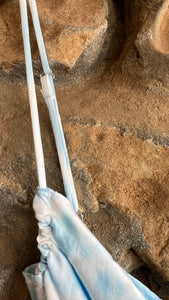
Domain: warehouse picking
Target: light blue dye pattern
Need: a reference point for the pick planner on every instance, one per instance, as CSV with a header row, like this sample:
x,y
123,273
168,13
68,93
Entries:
x,y
71,267
45,194
104,283
73,288
118,289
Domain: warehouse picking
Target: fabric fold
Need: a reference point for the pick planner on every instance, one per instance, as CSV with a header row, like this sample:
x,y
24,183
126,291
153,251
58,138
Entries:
x,y
73,262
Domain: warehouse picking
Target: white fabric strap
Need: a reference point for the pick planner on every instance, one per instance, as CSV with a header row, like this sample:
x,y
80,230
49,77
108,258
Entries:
x,y
32,97
50,98
39,37
48,91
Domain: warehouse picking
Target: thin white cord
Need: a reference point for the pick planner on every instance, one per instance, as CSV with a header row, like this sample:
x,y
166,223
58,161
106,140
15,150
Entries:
x,y
32,97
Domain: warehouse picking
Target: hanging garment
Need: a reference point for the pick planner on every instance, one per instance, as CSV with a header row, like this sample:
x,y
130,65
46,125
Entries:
x,y
74,265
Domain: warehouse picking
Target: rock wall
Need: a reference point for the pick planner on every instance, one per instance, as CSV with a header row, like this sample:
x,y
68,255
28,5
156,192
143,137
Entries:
x,y
111,64
78,35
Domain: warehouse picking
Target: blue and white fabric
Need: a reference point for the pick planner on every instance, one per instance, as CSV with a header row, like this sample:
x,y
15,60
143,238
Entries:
x,y
74,265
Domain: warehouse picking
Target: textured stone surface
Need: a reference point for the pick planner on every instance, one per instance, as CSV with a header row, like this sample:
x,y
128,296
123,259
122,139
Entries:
x,y
56,19
70,29
152,41
131,175
153,280
116,127
17,244
120,177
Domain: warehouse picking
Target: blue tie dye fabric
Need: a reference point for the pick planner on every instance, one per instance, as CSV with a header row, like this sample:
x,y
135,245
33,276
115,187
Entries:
x,y
74,265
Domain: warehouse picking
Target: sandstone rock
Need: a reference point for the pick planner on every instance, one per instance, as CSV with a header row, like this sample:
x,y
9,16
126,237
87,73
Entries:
x,y
116,127
109,169
119,233
70,29
130,261
131,175
152,41
12,285
55,19
160,29
153,281
18,232
74,41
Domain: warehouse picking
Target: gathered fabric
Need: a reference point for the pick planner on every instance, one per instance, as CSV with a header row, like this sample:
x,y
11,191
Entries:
x,y
74,265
